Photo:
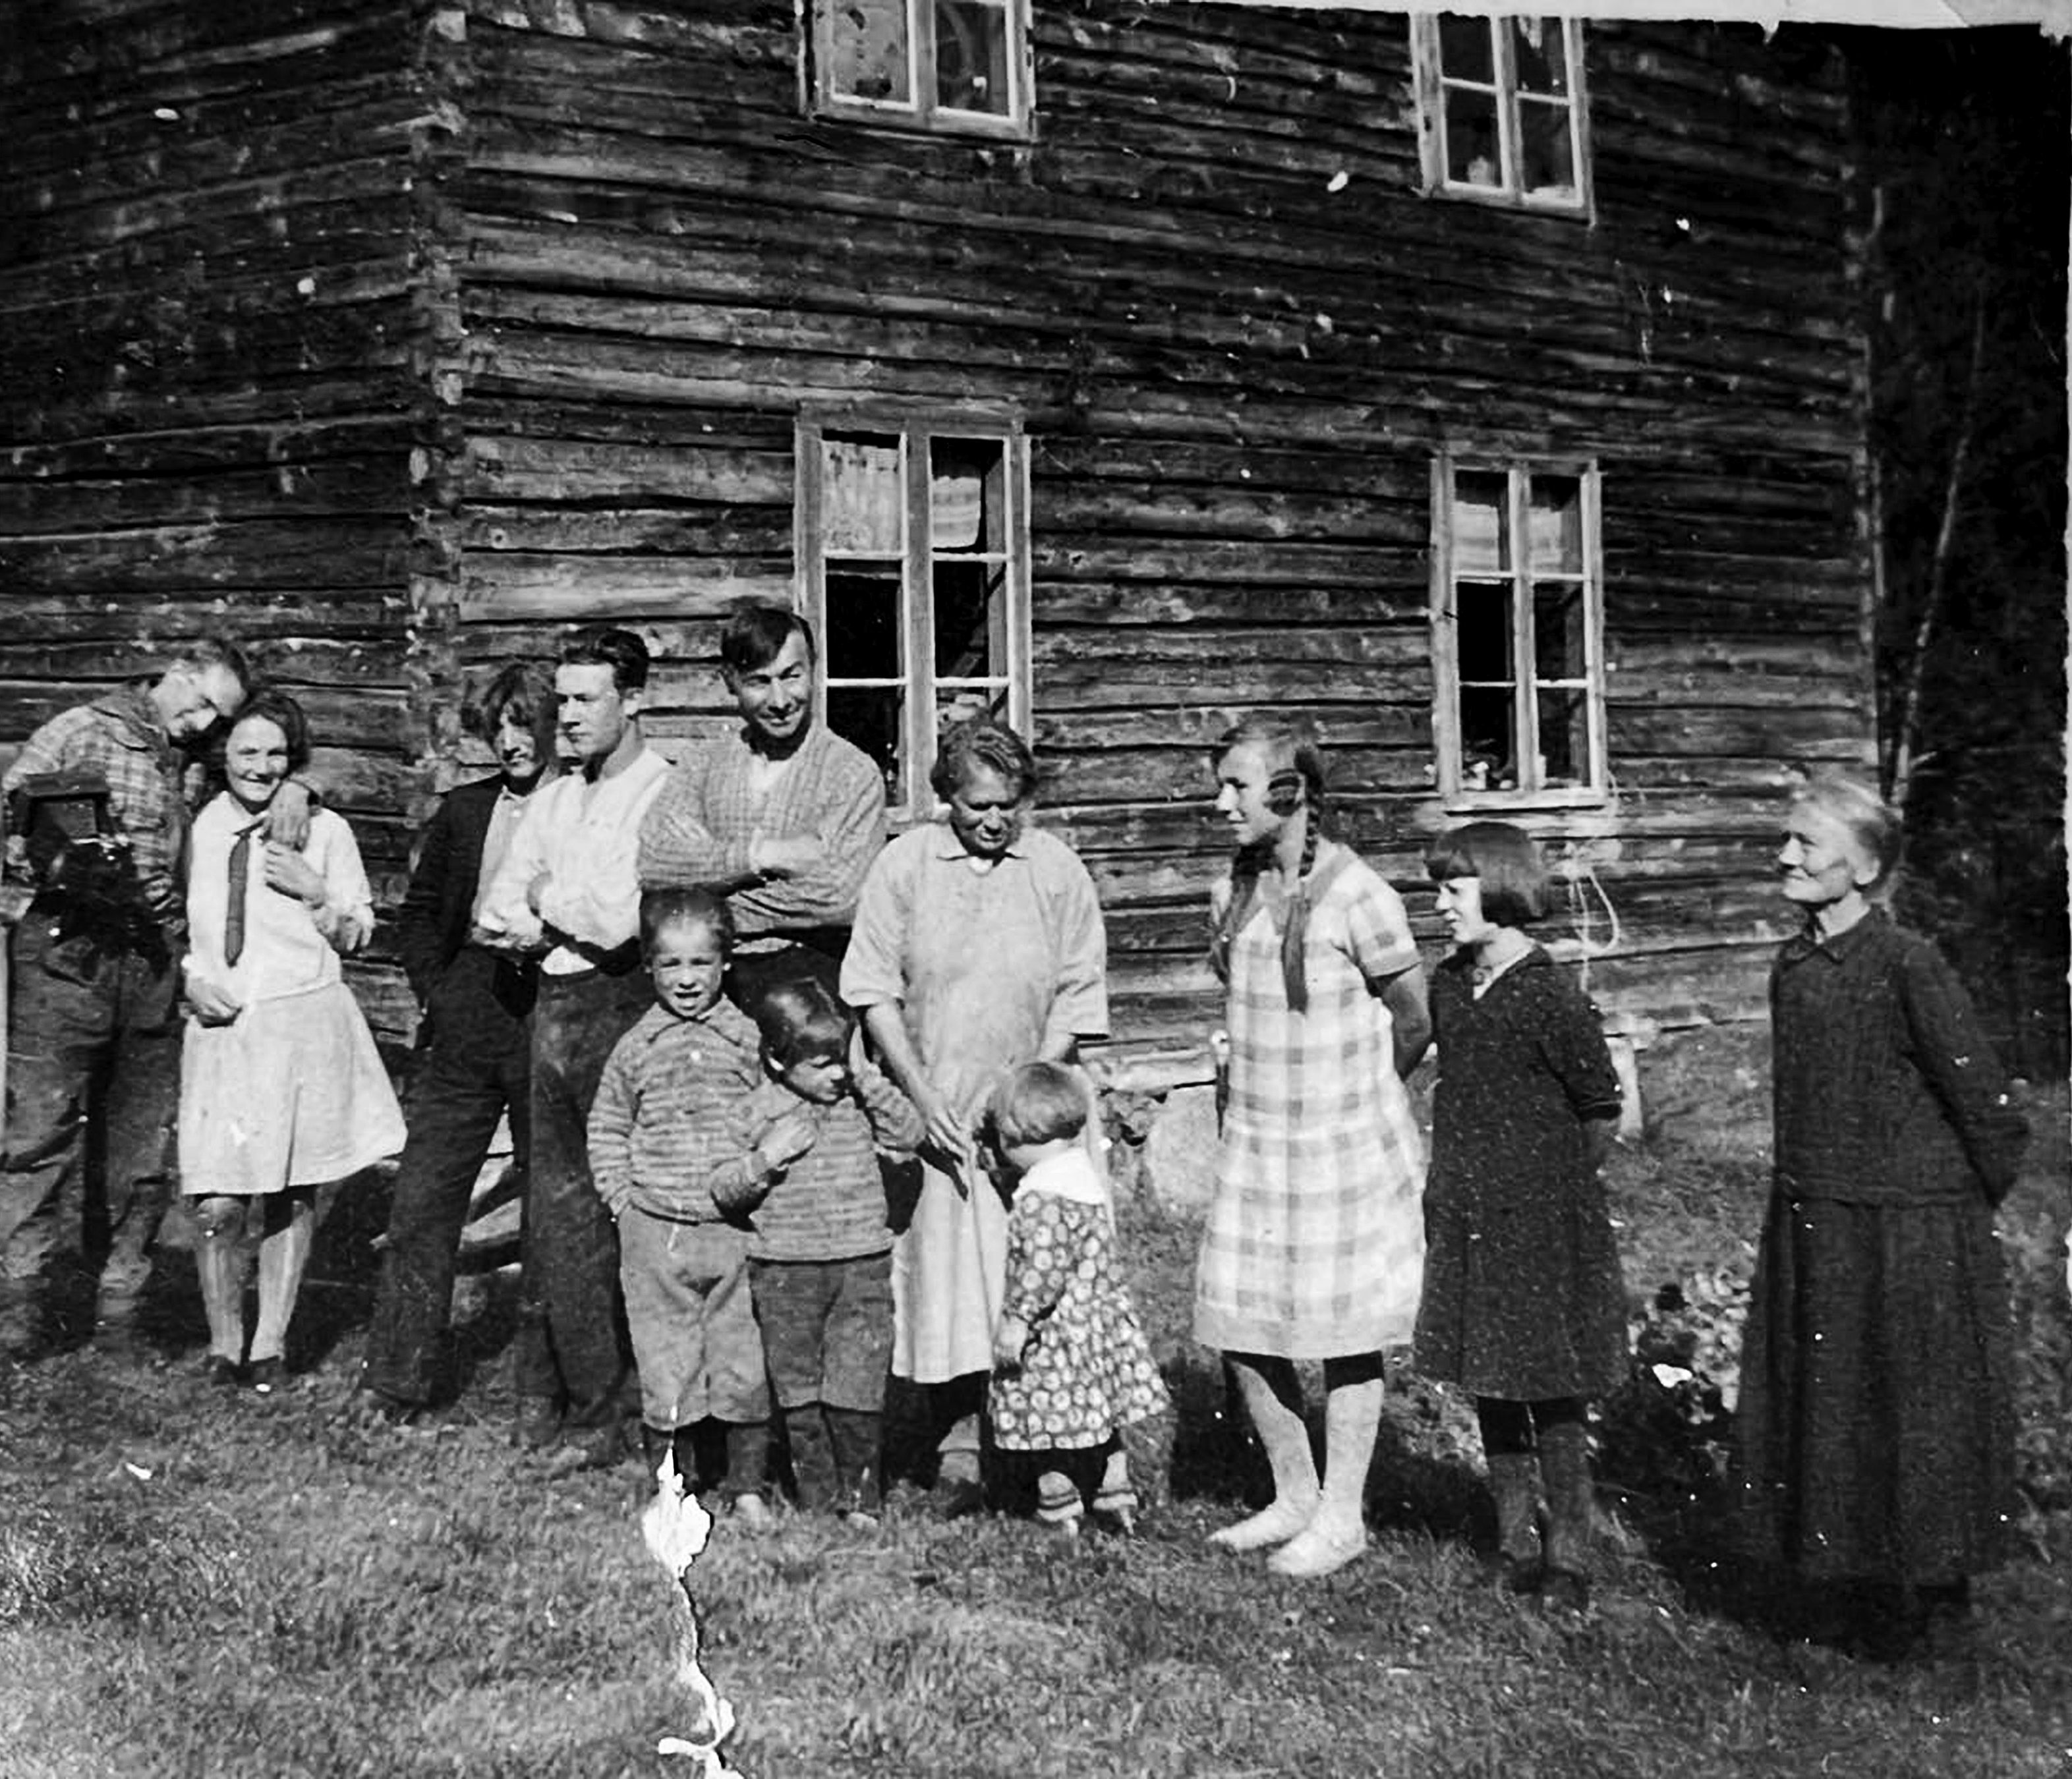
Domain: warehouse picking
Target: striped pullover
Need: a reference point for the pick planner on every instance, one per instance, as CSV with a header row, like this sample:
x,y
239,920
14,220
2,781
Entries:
x,y
667,1129
829,1204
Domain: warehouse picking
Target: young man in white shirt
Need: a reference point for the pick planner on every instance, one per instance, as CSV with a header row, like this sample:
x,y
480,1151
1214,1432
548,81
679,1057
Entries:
x,y
568,892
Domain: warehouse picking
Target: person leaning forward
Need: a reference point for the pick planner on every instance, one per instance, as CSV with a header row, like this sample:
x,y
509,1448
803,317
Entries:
x,y
474,1062
568,894
783,818
97,824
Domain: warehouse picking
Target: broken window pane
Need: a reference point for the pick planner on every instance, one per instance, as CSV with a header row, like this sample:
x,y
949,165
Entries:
x,y
863,628
971,57
970,603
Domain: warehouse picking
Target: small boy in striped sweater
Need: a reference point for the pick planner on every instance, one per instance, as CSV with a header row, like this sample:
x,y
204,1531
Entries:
x,y
820,1250
680,1170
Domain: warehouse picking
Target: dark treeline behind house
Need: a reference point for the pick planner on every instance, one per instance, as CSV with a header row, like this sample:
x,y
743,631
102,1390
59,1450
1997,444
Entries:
x,y
1965,202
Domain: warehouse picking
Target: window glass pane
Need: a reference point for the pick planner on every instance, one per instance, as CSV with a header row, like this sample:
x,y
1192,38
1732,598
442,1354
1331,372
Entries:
x,y
863,635
1487,750
1540,53
1556,525
1483,630
1558,638
870,50
861,507
1563,740
1464,48
1543,146
964,493
1472,154
971,57
869,717
1482,545
970,598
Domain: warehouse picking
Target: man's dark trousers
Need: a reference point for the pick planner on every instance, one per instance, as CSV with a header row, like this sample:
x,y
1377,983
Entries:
x,y
475,1066
93,1054
572,1343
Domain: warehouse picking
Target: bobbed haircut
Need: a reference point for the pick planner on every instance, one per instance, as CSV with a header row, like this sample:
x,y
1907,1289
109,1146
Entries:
x,y
1516,889
1289,745
688,905
802,1022
1037,1103
755,633
620,650
523,691
284,714
217,651
980,741
1872,824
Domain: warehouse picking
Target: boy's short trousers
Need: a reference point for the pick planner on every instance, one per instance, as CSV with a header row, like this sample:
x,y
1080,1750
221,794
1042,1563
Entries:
x,y
692,1321
827,1329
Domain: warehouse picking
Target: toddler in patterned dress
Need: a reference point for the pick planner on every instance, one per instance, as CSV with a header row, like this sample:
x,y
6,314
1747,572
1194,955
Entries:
x,y
1072,1367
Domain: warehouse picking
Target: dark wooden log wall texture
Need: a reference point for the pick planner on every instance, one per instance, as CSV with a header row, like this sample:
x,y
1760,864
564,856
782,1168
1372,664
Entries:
x,y
1234,367
576,266
220,272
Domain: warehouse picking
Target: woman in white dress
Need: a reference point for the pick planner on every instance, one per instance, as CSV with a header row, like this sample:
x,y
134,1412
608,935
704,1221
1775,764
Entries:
x,y
281,1088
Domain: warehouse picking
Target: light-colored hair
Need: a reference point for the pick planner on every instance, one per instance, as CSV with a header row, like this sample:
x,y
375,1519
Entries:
x,y
1037,1103
1871,824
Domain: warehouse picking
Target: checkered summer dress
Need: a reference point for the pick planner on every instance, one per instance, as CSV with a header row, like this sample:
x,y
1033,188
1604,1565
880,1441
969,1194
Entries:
x,y
1314,1247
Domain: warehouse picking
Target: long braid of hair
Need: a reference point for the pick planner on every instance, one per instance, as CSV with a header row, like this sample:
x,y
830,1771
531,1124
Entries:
x,y
1294,936
1298,767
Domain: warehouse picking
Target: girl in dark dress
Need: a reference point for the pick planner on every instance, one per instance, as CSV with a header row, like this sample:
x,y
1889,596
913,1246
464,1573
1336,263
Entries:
x,y
1523,1305
1875,1428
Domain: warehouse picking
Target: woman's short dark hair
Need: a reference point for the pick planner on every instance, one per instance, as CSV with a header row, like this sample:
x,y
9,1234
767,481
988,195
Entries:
x,y
802,1022
1515,887
284,714
688,905
524,691
980,741
755,633
620,650
1037,1103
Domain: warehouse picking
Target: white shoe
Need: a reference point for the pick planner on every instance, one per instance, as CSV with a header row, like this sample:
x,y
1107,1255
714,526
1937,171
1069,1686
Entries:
x,y
1276,1524
751,1512
1321,1550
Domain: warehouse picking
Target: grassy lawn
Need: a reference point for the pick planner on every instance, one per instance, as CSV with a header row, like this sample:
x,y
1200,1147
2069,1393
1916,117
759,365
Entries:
x,y
196,1584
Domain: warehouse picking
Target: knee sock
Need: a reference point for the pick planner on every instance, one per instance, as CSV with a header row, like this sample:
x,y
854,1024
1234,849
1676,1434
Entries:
x,y
284,1254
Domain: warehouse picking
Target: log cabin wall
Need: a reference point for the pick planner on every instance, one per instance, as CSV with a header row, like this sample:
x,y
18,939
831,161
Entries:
x,y
221,340
1236,335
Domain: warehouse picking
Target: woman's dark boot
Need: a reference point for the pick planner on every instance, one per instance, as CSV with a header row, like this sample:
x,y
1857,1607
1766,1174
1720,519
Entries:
x,y
1514,1486
1565,1471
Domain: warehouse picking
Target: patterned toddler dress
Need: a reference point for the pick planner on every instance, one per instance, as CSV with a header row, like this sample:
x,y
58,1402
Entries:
x,y
1086,1370
1314,1246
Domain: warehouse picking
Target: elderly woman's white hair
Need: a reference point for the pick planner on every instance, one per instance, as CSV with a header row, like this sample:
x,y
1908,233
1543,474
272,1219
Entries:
x,y
1871,823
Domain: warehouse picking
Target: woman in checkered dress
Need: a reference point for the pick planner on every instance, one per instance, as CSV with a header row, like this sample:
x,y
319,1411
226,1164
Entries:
x,y
1315,1245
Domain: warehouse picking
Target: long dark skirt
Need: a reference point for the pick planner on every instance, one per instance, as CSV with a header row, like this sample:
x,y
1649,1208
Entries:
x,y
1876,1422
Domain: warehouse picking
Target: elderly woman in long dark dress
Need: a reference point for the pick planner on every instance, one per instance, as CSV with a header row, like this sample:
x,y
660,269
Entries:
x,y
978,945
1877,1429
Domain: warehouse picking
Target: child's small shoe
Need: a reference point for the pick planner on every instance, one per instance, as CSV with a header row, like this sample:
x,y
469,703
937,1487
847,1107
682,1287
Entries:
x,y
1117,1521
265,1377
1061,1531
752,1513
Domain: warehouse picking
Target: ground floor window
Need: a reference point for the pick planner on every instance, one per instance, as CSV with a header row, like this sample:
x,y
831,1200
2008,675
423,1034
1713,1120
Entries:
x,y
914,557
1517,630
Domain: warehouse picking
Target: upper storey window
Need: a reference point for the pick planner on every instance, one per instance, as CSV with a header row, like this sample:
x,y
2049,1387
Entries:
x,y
956,66
1501,117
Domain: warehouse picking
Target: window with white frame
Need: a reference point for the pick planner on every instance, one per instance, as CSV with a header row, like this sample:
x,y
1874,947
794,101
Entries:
x,y
914,553
1501,117
1518,631
955,66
